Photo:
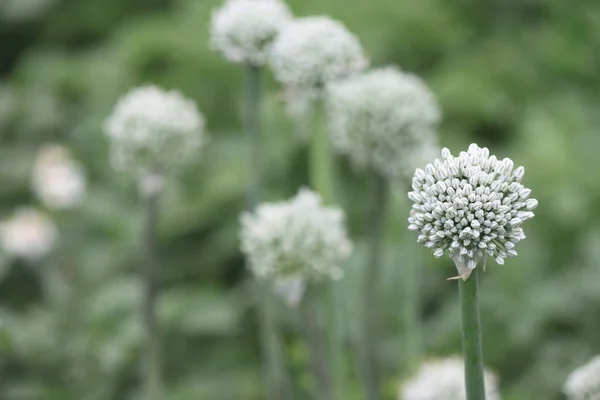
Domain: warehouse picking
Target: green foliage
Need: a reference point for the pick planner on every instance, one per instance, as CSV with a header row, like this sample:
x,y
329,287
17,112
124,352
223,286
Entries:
x,y
517,76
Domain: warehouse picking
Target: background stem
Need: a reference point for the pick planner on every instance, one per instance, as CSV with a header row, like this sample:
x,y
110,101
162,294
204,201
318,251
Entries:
x,y
317,361
321,180
471,337
152,367
370,364
253,135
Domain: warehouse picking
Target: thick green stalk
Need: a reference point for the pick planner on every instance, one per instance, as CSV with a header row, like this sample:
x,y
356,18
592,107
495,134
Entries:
x,y
317,356
152,352
370,317
321,180
274,367
471,337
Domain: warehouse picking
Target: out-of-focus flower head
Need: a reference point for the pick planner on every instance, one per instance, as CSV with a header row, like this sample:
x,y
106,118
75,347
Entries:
x,y
28,234
584,382
313,51
153,130
244,30
57,180
298,238
444,380
384,118
470,207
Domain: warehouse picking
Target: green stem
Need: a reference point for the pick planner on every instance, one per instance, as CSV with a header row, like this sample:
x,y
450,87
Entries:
x,y
471,337
370,317
321,179
152,364
317,362
252,130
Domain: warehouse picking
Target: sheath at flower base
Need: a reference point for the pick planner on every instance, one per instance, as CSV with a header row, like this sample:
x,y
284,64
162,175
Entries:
x,y
244,30
313,51
470,207
154,131
444,380
385,119
584,382
57,180
298,239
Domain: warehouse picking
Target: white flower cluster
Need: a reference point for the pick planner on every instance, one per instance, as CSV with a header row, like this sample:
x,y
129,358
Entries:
x,y
471,206
57,180
299,238
243,30
444,380
584,382
28,234
152,130
384,118
312,51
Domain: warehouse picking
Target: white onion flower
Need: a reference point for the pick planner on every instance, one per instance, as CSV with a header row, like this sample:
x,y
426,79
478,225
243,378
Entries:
x,y
244,30
312,51
584,382
444,380
152,130
28,234
298,238
57,180
470,207
384,118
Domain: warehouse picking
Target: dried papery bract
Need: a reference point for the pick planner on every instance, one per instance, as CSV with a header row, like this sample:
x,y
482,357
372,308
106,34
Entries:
x,y
470,207
28,234
58,180
443,379
385,119
584,382
244,30
313,51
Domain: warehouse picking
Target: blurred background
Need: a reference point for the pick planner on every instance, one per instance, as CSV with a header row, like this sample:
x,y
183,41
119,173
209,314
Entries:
x,y
518,76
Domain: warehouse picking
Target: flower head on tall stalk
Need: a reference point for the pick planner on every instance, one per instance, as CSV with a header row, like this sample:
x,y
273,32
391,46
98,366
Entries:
x,y
470,207
443,380
58,180
313,51
154,131
385,119
298,238
584,382
28,234
244,30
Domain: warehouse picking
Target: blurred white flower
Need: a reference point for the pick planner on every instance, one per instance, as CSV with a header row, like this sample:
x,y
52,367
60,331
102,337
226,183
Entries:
x,y
244,30
471,206
584,382
384,118
152,130
23,10
312,51
28,234
298,238
444,380
57,180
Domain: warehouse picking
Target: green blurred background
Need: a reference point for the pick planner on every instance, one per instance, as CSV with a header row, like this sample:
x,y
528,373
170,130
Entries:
x,y
519,76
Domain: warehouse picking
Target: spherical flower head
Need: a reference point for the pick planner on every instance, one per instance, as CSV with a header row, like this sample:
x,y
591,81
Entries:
x,y
385,119
28,234
470,207
57,180
298,238
444,380
584,382
152,130
244,30
312,51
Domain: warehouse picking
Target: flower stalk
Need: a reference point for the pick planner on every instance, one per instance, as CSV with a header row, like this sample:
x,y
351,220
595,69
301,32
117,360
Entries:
x,y
471,337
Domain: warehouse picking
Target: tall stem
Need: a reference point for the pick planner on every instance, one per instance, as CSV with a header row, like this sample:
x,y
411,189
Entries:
x,y
321,179
370,317
471,337
152,363
317,361
270,339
